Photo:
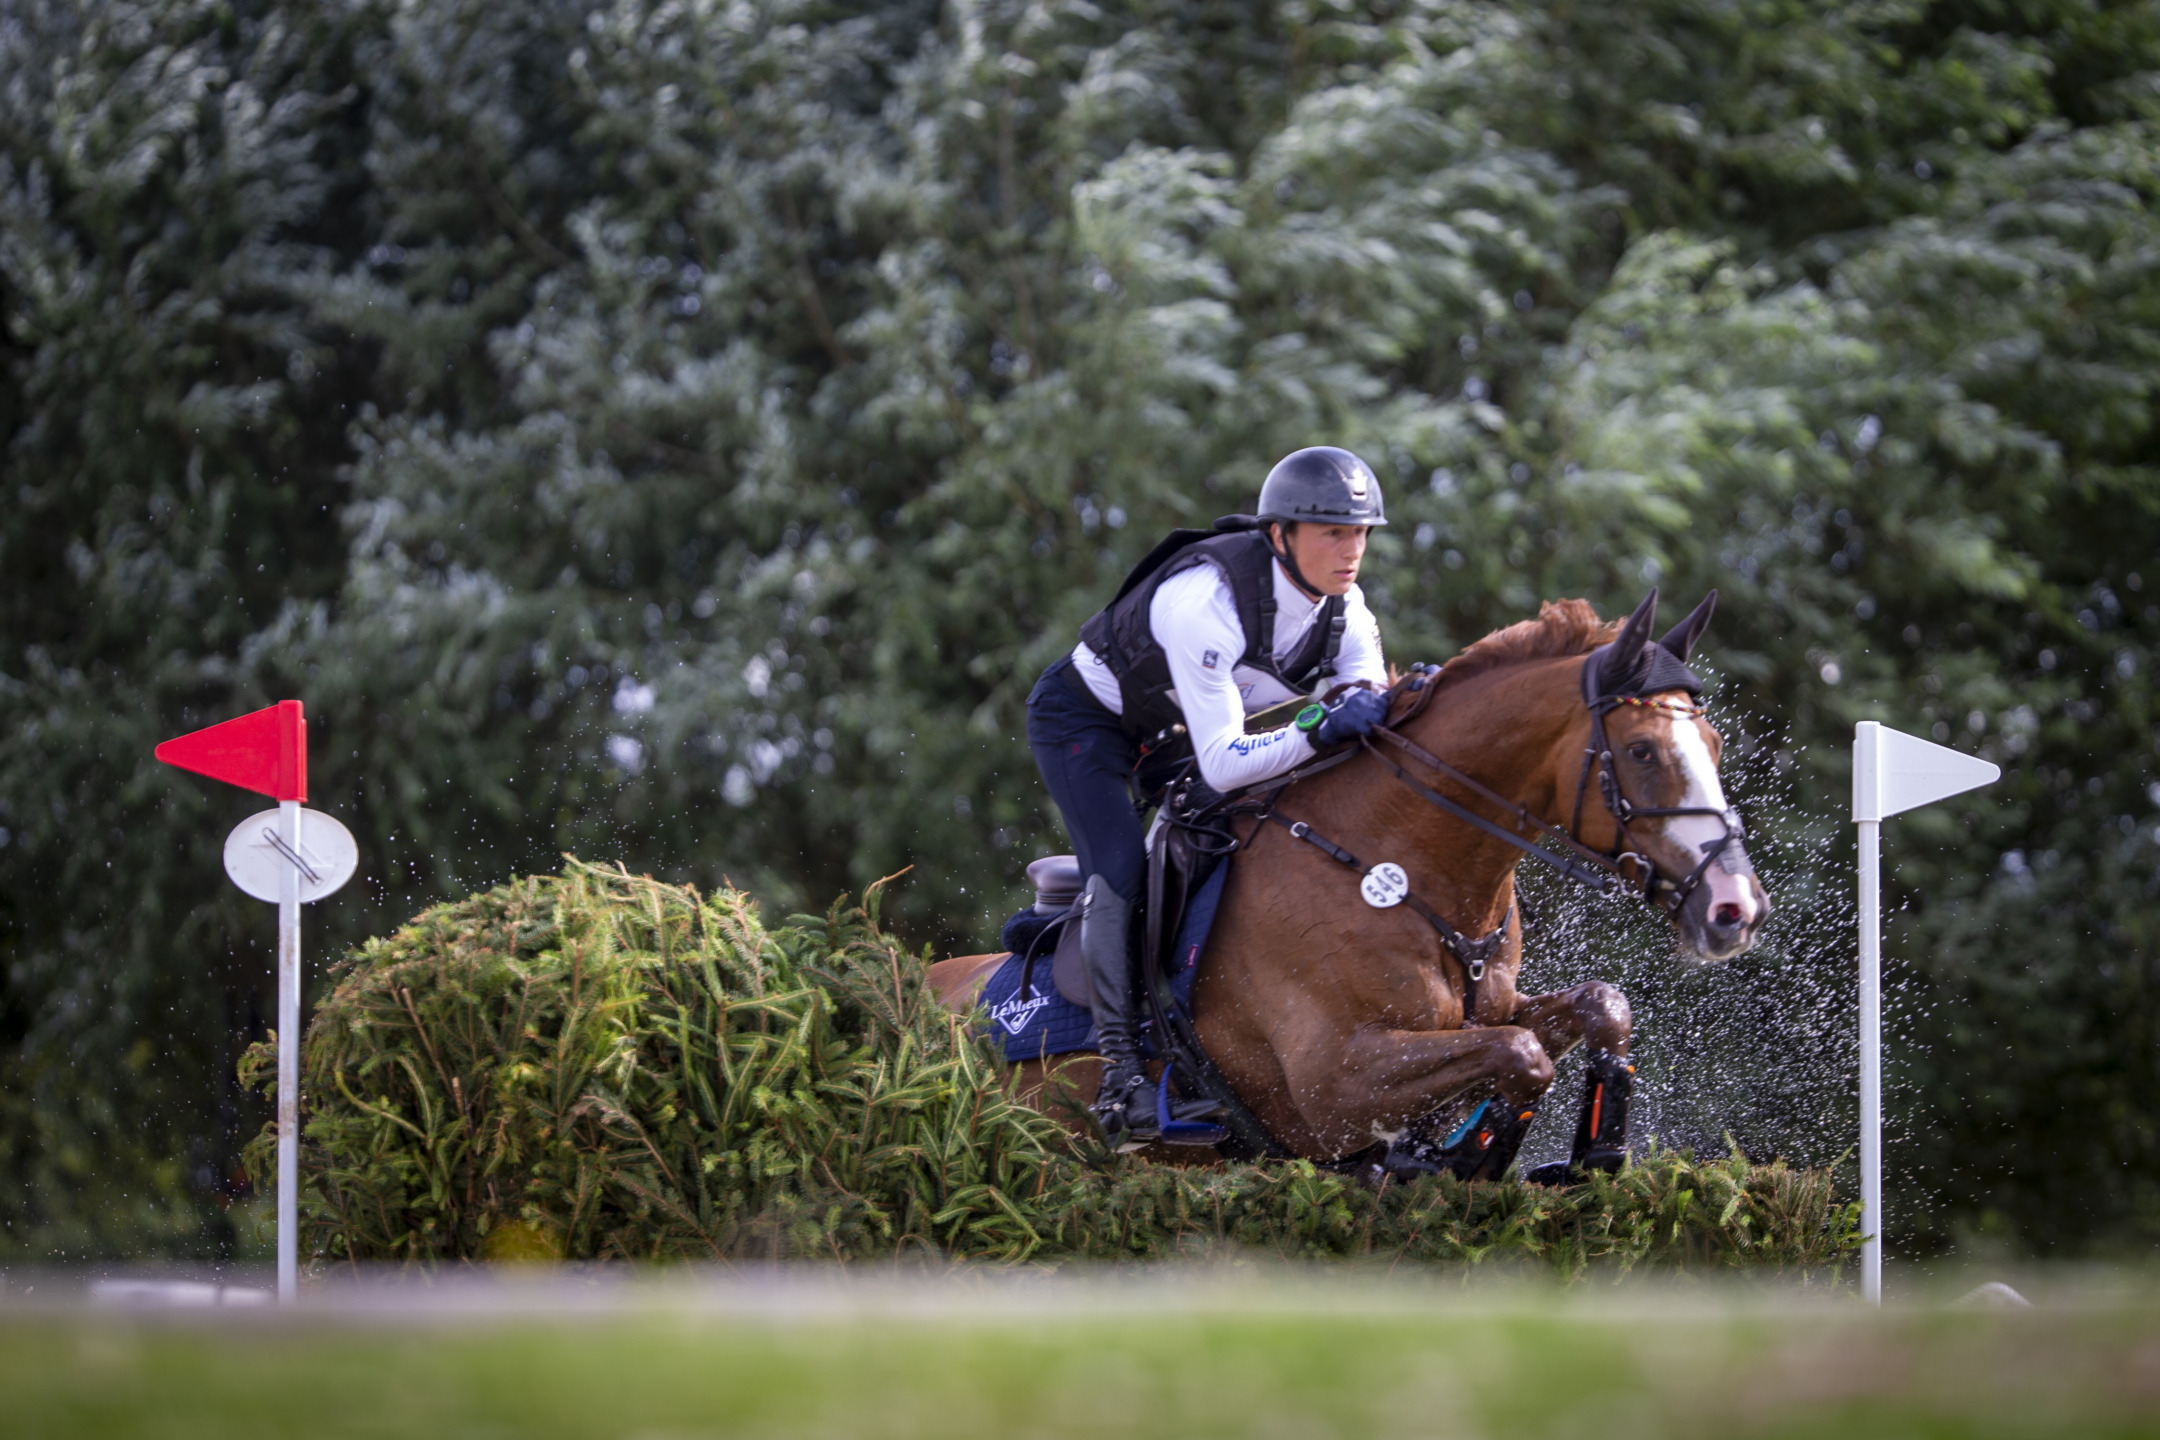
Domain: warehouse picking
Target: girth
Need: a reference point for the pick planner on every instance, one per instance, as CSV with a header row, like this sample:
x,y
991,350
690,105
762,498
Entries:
x,y
1472,955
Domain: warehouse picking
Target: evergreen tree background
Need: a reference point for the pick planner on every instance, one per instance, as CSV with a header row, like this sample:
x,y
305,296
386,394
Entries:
x,y
679,433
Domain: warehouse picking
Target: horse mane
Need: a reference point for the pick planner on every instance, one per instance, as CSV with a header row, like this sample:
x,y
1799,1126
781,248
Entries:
x,y
1562,628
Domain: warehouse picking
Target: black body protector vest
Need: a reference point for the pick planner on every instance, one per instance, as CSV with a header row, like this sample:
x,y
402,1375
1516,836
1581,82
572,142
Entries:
x,y
1120,634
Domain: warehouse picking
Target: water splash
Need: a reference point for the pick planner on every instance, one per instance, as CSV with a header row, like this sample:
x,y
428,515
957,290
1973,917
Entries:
x,y
1758,1051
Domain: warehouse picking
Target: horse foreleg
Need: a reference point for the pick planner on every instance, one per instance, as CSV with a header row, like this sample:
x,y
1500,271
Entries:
x,y
1594,1014
1384,1081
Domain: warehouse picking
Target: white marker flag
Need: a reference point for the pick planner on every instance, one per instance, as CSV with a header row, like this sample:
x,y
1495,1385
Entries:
x,y
1892,772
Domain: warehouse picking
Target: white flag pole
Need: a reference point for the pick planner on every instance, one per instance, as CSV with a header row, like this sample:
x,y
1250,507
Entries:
x,y
1892,772
1871,1211
288,1047
1867,813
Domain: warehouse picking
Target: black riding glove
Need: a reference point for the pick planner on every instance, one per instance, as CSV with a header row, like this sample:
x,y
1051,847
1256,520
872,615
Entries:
x,y
1355,714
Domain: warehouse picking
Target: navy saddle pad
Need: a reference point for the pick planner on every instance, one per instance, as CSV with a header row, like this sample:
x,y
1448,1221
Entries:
x,y
1043,1023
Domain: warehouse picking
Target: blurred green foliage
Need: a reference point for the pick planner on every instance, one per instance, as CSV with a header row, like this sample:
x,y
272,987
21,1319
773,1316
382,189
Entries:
x,y
679,433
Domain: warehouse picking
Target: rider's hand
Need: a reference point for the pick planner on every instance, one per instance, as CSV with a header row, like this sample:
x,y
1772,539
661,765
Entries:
x,y
1355,714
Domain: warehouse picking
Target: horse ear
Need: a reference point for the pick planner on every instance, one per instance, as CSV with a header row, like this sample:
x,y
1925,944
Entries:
x,y
1682,637
1625,658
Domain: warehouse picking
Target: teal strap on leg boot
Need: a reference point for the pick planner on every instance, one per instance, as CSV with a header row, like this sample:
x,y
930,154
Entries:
x,y
1481,1147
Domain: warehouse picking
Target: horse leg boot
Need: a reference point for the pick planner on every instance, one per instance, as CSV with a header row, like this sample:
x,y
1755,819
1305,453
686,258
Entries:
x,y
1122,1105
1601,1131
1498,1140
1482,1147
1601,1128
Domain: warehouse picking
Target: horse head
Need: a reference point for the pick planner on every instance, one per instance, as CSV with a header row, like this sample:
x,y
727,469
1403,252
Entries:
x,y
1653,762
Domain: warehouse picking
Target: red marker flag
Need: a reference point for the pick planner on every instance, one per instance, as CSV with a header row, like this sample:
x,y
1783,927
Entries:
x,y
265,751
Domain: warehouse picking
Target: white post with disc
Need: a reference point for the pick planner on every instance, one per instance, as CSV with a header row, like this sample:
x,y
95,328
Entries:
x,y
292,856
1892,772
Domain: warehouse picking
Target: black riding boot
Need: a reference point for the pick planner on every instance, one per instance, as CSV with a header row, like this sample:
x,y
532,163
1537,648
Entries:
x,y
1123,1105
1482,1147
1601,1129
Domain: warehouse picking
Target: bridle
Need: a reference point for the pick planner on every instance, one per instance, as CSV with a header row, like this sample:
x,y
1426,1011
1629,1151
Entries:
x,y
1666,893
1623,869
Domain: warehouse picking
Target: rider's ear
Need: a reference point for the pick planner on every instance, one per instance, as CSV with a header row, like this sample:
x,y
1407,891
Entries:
x,y
1627,647
1682,637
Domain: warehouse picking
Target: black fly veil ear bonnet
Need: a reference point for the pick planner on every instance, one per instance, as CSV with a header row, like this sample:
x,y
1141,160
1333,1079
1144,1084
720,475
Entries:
x,y
1633,665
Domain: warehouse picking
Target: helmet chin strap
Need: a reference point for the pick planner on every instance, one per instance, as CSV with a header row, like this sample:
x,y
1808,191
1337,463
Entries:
x,y
1289,561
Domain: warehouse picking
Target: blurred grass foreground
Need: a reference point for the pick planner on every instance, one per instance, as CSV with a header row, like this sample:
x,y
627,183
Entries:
x,y
1198,1356
600,1066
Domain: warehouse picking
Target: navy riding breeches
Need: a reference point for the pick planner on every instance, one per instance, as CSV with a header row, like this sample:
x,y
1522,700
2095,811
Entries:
x,y
1087,760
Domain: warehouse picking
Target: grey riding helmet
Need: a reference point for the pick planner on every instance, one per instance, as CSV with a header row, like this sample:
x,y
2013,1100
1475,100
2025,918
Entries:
x,y
1322,485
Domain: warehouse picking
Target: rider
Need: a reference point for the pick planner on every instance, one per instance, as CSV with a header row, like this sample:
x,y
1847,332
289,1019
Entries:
x,y
1210,628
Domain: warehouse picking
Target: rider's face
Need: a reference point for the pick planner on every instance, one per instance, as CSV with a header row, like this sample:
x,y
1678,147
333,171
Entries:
x,y
1327,555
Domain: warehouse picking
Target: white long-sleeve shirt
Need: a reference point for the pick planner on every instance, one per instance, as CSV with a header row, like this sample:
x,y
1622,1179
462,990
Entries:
x,y
1194,618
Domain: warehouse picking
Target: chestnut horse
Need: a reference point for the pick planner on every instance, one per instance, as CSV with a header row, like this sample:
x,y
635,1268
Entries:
x,y
1336,1022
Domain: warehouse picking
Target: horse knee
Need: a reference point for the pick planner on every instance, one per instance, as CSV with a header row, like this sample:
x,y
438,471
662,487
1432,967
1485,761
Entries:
x,y
1603,1015
1523,1070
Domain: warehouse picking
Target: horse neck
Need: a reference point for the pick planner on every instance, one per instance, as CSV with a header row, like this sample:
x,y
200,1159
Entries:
x,y
1506,729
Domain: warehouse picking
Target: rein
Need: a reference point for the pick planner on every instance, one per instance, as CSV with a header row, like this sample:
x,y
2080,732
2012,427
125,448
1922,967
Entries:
x,y
1585,866
1605,873
1624,865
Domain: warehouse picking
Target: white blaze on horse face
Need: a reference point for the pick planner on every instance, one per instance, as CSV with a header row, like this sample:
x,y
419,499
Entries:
x,y
1693,832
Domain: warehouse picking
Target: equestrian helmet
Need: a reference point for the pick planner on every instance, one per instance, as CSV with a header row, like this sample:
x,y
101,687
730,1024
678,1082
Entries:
x,y
1324,485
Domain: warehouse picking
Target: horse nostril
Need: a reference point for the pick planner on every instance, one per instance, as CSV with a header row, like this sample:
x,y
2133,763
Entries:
x,y
1726,916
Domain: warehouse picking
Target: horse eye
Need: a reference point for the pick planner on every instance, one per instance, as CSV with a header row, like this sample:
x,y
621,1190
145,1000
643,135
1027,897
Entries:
x,y
1643,750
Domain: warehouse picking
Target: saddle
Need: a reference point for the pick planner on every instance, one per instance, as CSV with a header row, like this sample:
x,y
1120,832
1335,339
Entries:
x,y
1184,883
1177,869
1188,843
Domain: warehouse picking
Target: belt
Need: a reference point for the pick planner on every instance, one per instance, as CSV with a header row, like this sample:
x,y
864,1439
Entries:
x,y
1071,672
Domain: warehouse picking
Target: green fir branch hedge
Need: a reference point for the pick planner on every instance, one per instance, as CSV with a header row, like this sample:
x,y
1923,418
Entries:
x,y
601,1066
